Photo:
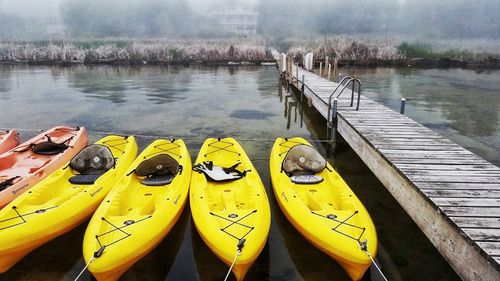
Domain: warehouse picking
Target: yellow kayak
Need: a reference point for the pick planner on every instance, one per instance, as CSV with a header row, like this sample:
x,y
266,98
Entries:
x,y
139,211
321,206
64,199
229,204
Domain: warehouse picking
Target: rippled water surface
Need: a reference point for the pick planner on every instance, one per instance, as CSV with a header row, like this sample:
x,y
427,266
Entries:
x,y
249,104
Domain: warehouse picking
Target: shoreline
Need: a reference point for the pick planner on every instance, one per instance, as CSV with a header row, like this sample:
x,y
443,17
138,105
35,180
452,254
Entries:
x,y
489,63
119,62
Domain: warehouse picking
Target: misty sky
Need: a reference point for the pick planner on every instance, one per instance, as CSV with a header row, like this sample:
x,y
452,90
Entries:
x,y
50,8
160,18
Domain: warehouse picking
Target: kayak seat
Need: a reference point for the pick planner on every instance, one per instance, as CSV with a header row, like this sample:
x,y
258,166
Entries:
x,y
302,162
158,180
306,179
84,179
218,173
8,182
158,171
49,147
91,162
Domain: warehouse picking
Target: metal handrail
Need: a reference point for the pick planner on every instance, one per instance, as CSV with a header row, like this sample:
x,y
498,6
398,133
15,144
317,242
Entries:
x,y
349,80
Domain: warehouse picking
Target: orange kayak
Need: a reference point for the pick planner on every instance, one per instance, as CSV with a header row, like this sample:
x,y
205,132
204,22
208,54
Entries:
x,y
8,140
30,162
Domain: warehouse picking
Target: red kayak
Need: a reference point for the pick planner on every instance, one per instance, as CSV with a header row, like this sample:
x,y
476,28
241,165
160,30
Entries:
x,y
8,140
30,162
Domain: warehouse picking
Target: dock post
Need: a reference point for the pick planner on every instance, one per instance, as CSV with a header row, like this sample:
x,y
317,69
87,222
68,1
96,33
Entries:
x,y
334,109
282,63
297,74
288,72
329,70
302,88
320,68
352,94
327,61
333,117
402,107
335,69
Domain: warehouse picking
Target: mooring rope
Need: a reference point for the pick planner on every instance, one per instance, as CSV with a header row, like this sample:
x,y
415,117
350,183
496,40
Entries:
x,y
85,268
364,248
376,266
238,252
240,245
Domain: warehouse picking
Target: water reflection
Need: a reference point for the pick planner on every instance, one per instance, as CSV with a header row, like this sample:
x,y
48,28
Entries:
x,y
99,83
250,114
5,81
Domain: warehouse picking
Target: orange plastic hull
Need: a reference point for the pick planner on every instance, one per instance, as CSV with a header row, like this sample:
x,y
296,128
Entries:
x,y
30,168
8,140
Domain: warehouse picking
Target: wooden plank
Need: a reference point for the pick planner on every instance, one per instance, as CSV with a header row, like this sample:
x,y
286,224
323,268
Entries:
x,y
391,130
420,167
413,141
483,234
388,124
397,135
447,149
471,211
437,178
431,161
458,185
473,173
423,147
491,247
459,193
373,136
439,152
475,222
467,202
362,118
416,154
417,139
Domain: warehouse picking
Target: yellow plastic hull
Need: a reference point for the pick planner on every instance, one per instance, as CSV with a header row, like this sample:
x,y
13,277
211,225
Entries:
x,y
327,214
224,212
134,217
55,206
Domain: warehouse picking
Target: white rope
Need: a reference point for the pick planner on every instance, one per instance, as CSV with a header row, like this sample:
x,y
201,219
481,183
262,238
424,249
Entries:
x,y
83,270
232,265
376,266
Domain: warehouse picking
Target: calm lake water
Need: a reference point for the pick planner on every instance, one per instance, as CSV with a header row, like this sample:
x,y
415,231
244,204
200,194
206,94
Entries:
x,y
249,104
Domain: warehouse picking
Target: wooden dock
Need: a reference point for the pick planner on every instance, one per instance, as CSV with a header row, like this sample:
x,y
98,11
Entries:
x,y
452,194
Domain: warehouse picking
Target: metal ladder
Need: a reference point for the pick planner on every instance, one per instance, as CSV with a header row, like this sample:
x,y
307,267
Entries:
x,y
332,109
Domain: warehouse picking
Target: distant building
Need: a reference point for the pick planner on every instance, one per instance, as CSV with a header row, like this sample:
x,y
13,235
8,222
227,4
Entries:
x,y
238,19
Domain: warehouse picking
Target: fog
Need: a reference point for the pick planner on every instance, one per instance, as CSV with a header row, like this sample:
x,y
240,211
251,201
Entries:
x,y
49,19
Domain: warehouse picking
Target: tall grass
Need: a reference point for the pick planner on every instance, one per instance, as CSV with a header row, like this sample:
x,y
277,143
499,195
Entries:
x,y
347,48
366,49
134,51
426,51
